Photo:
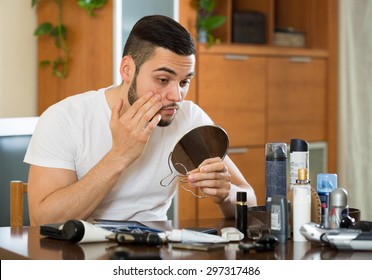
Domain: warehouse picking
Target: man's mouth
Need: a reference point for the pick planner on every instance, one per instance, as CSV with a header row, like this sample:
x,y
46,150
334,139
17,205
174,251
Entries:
x,y
170,109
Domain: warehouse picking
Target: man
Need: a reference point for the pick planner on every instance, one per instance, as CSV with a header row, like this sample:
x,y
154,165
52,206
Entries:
x,y
102,154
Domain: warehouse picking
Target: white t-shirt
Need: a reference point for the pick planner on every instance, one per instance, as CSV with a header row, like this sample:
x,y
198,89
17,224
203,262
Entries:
x,y
75,134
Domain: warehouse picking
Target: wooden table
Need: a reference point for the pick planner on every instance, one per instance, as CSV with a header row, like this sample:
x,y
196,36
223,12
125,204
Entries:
x,y
27,243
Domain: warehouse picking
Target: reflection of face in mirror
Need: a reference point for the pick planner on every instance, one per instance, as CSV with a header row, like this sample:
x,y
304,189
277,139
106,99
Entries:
x,y
194,147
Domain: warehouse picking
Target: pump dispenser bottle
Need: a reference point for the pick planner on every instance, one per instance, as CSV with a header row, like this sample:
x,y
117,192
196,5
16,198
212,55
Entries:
x,y
301,204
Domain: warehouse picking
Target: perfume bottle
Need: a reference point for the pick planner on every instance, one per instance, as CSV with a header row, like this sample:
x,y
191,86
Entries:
x,y
241,216
301,204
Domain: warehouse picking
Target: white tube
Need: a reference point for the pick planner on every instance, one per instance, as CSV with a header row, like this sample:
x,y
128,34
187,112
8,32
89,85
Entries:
x,y
94,233
82,231
185,235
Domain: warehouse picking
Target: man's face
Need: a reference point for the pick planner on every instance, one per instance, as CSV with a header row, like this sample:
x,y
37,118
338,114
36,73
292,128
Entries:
x,y
168,75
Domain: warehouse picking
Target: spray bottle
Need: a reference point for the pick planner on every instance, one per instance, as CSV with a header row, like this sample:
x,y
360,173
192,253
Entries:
x,y
275,171
298,158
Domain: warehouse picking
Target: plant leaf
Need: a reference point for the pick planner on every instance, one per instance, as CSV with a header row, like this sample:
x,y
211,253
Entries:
x,y
58,67
210,39
207,5
59,33
43,29
212,22
91,5
44,63
34,3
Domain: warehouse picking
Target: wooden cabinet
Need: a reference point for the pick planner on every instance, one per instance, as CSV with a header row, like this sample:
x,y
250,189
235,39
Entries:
x,y
314,18
263,93
232,89
251,162
296,105
271,96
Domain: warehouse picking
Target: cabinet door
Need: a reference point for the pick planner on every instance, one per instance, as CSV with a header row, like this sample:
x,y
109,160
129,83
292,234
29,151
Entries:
x,y
296,99
231,89
251,162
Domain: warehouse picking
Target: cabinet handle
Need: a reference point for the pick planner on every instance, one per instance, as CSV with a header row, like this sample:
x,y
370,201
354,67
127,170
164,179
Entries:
x,y
238,150
236,56
301,59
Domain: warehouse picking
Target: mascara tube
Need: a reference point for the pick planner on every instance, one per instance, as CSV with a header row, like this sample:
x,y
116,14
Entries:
x,y
241,216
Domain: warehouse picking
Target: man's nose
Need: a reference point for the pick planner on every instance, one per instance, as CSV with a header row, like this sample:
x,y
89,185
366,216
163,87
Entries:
x,y
175,94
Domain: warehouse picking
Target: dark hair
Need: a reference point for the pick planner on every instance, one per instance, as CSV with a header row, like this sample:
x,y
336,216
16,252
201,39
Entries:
x,y
157,31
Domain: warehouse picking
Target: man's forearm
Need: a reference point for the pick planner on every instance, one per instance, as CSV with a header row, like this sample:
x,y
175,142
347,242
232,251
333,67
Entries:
x,y
79,199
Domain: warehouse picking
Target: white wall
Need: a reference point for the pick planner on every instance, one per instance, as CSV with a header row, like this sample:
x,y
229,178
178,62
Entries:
x,y
18,59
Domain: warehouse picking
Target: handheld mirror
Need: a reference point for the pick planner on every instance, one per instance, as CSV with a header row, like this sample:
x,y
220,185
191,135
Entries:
x,y
192,149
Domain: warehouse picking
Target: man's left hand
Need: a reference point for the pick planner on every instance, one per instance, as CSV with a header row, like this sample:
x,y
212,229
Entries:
x,y
213,178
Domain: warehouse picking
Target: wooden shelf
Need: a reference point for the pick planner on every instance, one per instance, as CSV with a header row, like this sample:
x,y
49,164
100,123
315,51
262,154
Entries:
x,y
307,16
234,48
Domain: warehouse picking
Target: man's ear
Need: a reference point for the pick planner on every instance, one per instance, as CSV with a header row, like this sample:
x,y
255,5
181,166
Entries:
x,y
127,69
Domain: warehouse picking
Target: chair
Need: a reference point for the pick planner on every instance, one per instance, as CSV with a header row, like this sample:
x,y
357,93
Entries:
x,y
17,191
15,135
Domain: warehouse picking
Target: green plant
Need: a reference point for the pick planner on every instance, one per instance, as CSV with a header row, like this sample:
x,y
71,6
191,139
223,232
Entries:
x,y
91,5
59,34
207,21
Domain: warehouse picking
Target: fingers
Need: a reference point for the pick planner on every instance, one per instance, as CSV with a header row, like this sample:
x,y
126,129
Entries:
x,y
212,165
212,177
142,113
210,169
131,130
139,120
216,194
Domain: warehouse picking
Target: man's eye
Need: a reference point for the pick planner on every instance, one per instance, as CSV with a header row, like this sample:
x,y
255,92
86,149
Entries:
x,y
184,83
163,81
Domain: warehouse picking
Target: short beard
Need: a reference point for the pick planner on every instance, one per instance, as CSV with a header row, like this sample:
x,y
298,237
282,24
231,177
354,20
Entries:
x,y
133,97
132,92
164,123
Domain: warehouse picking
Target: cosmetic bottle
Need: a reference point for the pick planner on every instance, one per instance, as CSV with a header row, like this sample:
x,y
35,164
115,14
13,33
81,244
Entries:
x,y
298,158
275,171
301,204
241,215
338,204
326,183
279,218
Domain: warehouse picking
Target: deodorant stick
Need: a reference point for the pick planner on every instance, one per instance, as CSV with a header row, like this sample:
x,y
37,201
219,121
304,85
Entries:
x,y
337,203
